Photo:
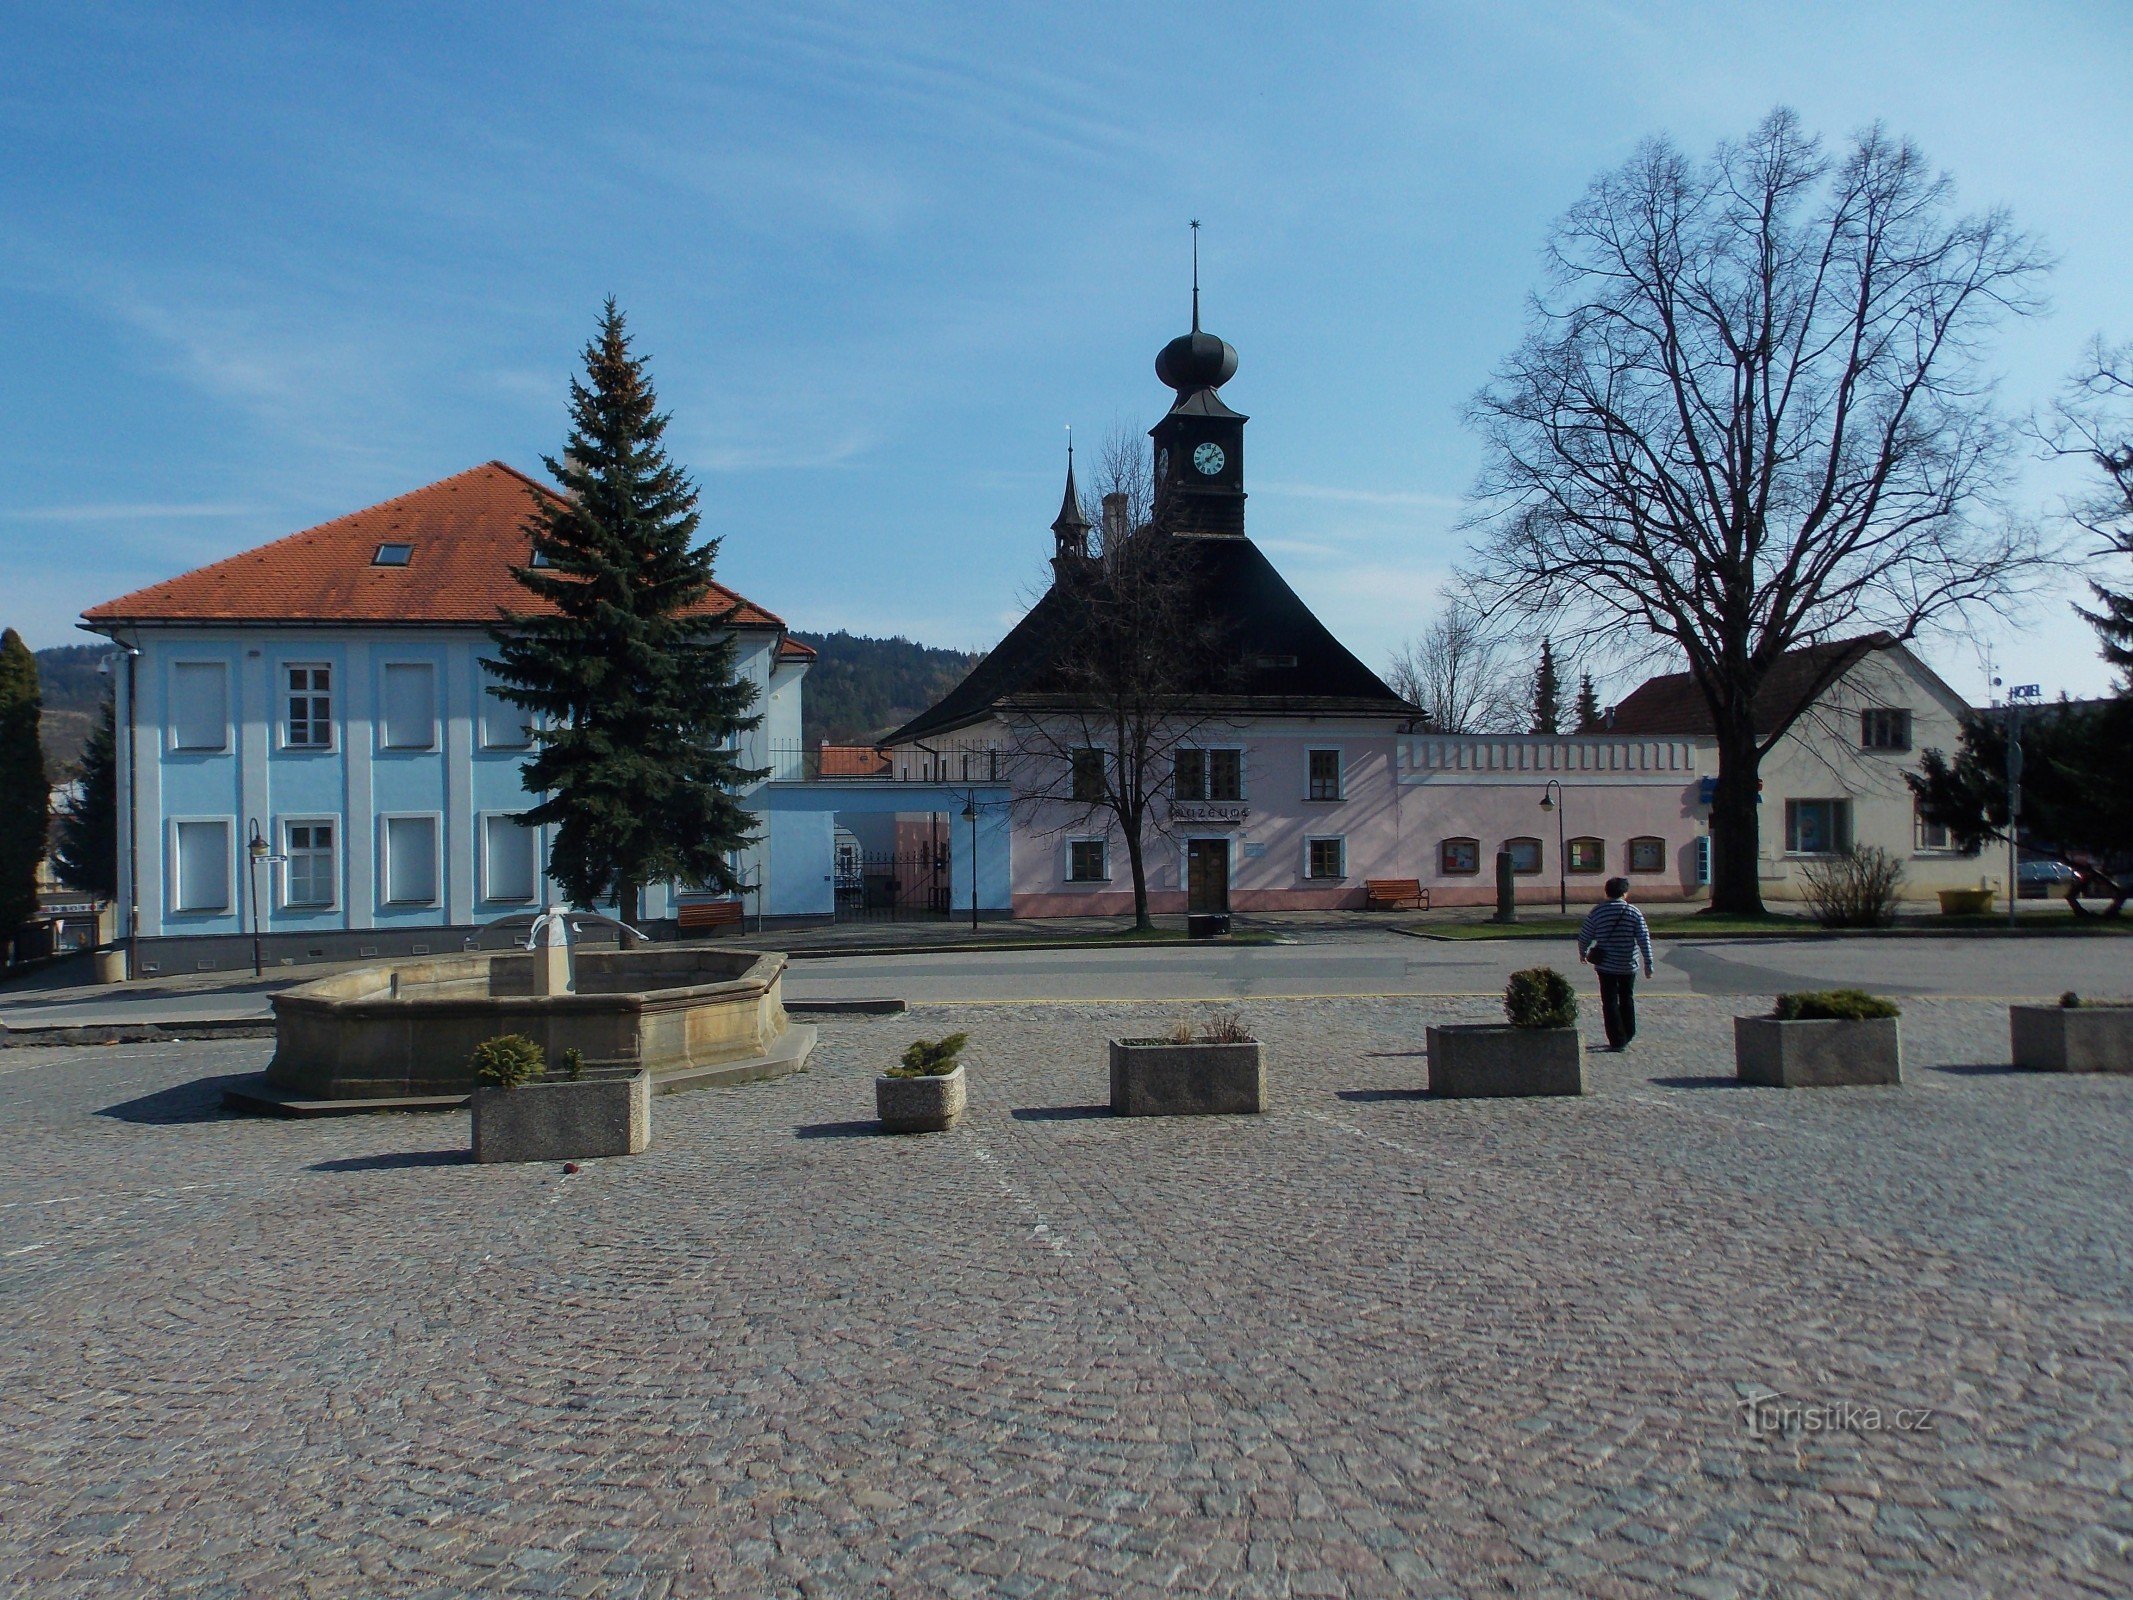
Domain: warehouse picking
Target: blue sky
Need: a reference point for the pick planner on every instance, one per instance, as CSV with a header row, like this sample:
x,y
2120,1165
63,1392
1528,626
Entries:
x,y
260,265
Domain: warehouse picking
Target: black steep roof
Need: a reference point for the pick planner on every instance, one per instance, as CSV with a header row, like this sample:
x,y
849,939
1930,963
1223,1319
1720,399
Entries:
x,y
1286,662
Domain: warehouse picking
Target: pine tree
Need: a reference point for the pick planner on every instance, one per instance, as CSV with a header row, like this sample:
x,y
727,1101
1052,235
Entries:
x,y
1590,718
2114,632
1547,694
632,674
86,857
25,799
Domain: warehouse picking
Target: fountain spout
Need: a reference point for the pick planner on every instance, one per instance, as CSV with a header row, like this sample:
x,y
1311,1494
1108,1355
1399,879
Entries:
x,y
549,940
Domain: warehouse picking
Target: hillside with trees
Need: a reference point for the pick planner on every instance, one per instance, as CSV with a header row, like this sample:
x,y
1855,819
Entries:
x,y
860,688
73,690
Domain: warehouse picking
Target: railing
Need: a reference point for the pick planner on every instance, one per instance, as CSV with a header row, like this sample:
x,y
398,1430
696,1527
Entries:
x,y
855,763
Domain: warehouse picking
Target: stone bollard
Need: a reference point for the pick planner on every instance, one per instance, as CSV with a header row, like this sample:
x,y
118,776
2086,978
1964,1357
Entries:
x,y
1506,889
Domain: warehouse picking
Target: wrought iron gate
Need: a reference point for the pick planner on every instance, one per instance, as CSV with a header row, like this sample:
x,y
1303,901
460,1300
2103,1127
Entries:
x,y
892,886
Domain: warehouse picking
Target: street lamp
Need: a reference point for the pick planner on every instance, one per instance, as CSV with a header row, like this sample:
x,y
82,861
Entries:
x,y
970,815
257,851
1562,867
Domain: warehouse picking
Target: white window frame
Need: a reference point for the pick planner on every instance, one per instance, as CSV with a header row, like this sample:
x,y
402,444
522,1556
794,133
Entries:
x,y
171,701
533,838
1066,864
385,865
333,865
285,691
1924,846
1340,774
383,719
1340,839
492,701
176,872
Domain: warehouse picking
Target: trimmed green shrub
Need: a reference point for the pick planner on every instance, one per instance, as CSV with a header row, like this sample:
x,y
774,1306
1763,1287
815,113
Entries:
x,y
508,1060
931,1058
1834,1005
2070,1000
1540,997
573,1063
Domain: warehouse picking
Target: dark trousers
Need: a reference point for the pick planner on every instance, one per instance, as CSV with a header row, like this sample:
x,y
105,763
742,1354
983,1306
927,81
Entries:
x,y
1618,1006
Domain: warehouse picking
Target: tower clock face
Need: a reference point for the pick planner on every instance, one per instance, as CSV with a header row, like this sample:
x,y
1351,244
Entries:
x,y
1209,459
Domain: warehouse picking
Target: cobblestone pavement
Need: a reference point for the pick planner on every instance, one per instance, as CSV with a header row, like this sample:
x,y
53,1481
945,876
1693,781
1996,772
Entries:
x,y
1369,1344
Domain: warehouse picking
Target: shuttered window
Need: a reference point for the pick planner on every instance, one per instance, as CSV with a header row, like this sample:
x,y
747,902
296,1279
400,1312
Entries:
x,y
199,705
410,861
409,719
201,875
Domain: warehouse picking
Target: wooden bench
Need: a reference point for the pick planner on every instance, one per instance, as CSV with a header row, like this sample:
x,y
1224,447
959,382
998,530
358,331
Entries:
x,y
702,915
1395,894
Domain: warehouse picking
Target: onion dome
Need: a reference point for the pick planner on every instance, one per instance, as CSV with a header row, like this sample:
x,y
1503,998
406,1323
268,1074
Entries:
x,y
1196,360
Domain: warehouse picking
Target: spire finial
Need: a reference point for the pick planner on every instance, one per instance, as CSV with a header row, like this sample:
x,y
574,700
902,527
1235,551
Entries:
x,y
1195,274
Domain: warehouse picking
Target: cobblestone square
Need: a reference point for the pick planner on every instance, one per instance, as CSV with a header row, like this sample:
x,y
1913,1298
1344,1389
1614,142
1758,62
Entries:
x,y
1368,1344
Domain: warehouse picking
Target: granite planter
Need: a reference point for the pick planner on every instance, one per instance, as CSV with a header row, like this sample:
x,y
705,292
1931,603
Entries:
x,y
1490,1060
2072,1038
1966,902
1817,1055
1155,1078
564,1119
919,1105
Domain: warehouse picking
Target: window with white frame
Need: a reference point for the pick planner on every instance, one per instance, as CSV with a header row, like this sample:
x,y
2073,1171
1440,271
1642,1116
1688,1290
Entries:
x,y
1884,728
1207,774
504,726
509,859
1088,861
199,705
407,710
1931,835
1325,775
308,698
200,872
410,875
1325,858
308,876
1818,827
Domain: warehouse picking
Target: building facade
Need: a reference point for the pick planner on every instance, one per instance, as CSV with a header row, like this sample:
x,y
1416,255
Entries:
x,y
325,705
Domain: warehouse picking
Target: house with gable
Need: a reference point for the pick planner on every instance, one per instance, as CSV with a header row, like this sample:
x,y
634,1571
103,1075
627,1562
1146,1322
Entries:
x,y
324,704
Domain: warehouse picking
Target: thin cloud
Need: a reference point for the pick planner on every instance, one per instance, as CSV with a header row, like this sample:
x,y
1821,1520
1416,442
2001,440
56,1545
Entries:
x,y
123,511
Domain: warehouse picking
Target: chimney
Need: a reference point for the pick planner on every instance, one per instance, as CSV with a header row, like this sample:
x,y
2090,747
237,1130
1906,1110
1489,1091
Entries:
x,y
1115,518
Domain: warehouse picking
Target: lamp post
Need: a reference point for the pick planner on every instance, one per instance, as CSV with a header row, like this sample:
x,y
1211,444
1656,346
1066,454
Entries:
x,y
257,851
1562,866
970,815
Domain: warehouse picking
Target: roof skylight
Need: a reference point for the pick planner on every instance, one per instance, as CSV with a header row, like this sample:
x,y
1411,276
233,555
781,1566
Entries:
x,y
393,555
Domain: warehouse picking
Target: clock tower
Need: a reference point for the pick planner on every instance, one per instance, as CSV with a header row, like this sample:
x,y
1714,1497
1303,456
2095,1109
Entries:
x,y
1199,445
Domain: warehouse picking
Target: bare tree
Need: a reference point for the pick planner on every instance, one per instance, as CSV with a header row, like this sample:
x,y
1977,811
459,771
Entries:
x,y
1749,415
1133,680
1460,673
1121,494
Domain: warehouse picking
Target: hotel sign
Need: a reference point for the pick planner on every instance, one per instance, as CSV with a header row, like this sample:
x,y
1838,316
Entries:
x,y
1222,811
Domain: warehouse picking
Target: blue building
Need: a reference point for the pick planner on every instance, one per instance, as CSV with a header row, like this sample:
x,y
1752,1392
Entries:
x,y
328,695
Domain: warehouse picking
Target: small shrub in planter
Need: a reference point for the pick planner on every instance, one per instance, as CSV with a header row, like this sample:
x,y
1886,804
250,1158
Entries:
x,y
1818,1039
508,1060
2076,1035
1212,1068
1537,1053
923,1093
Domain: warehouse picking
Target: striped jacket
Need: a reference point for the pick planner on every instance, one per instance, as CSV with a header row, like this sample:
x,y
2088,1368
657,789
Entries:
x,y
1615,935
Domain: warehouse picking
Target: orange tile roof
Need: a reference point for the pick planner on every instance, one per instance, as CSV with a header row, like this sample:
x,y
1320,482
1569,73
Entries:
x,y
794,650
852,761
467,531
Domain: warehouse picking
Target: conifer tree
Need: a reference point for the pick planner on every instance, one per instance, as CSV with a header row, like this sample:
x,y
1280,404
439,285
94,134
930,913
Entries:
x,y
86,855
1590,718
632,672
1547,694
25,799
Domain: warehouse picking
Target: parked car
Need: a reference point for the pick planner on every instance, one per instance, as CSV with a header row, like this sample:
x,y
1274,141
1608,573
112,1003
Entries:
x,y
2038,879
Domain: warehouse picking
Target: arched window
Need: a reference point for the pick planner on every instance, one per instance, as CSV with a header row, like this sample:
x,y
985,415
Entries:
x,y
1587,855
1525,856
1459,857
1647,854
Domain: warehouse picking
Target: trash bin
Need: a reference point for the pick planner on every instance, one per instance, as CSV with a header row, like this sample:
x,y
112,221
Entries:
x,y
111,964
1207,925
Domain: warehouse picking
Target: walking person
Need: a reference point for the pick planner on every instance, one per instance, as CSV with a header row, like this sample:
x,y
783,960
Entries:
x,y
1614,938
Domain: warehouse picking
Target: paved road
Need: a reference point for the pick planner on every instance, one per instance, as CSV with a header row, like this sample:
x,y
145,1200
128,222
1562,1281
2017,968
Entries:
x,y
1369,963
1390,965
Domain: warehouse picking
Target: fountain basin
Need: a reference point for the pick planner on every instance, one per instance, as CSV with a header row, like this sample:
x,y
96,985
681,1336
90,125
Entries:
x,y
404,1030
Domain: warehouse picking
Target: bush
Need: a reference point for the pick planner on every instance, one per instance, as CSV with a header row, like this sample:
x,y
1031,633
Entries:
x,y
1858,889
931,1058
1540,997
573,1063
508,1060
2070,1000
1834,1005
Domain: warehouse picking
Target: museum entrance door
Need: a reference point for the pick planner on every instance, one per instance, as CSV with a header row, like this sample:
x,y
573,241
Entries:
x,y
1207,877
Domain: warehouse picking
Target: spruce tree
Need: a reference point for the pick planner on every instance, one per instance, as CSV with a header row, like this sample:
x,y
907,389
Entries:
x,y
631,674
1547,694
1590,718
25,798
86,855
